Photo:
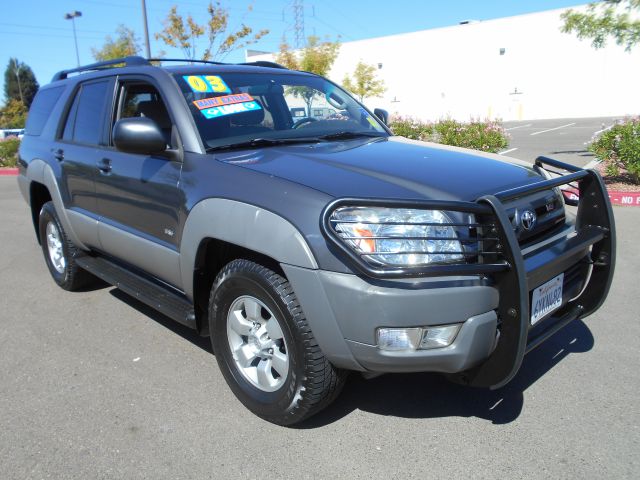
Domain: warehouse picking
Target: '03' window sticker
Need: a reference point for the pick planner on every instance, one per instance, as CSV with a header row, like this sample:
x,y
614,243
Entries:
x,y
206,84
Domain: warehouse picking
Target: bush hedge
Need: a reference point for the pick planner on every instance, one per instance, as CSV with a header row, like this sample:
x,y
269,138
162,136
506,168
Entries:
x,y
619,149
487,135
9,151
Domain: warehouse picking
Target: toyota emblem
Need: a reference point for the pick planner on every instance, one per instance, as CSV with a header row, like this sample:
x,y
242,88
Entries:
x,y
528,220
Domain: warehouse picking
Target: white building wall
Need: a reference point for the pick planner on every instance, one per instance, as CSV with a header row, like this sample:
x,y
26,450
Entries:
x,y
459,72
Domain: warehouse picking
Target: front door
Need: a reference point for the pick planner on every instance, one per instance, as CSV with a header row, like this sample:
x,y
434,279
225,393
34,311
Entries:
x,y
138,196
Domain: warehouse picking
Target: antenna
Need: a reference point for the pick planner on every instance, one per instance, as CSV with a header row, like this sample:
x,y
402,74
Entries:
x,y
298,17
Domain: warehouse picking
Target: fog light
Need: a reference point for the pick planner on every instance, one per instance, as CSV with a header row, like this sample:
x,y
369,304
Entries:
x,y
399,338
438,337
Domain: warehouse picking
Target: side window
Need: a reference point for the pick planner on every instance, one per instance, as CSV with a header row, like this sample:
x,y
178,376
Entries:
x,y
143,100
41,109
67,133
86,115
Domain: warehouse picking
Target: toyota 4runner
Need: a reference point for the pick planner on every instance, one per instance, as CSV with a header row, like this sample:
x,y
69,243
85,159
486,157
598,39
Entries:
x,y
306,246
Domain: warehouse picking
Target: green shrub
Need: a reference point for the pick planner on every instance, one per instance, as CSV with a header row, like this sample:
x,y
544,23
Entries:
x,y
9,151
487,136
619,149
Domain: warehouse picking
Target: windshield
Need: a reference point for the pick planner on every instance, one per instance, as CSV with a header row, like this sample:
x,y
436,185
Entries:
x,y
236,108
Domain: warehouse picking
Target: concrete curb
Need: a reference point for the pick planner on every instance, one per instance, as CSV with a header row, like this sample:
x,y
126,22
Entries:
x,y
6,172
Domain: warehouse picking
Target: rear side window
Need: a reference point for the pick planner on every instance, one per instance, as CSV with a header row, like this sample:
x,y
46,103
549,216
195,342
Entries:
x,y
41,109
86,116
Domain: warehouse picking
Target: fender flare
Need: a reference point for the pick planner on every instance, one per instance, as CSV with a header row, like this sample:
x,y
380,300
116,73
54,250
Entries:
x,y
245,225
41,172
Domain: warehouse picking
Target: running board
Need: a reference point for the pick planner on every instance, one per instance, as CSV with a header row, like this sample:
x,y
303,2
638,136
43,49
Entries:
x,y
171,304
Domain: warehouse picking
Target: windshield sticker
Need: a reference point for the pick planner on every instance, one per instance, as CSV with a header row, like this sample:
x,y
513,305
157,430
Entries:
x,y
224,100
216,112
206,84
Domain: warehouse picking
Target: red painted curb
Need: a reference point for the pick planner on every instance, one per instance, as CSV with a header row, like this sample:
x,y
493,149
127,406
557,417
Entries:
x,y
5,172
625,198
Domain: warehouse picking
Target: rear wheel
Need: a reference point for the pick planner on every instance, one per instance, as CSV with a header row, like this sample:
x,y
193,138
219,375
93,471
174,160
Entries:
x,y
265,348
59,253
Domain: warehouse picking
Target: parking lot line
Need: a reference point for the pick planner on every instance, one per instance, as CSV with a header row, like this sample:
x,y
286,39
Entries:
x,y
603,129
552,129
519,126
507,151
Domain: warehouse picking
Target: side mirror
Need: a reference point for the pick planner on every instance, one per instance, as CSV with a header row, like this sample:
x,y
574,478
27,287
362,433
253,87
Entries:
x,y
382,115
138,135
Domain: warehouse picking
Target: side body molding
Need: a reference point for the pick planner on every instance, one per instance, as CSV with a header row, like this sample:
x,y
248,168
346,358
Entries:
x,y
39,171
244,225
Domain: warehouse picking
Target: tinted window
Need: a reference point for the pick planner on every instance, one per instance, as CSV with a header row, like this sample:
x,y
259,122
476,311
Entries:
x,y
67,133
90,113
41,109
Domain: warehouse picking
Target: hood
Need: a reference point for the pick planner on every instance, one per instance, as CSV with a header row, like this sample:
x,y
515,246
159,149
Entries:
x,y
392,167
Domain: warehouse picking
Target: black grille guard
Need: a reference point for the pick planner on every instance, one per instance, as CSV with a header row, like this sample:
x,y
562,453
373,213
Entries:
x,y
503,262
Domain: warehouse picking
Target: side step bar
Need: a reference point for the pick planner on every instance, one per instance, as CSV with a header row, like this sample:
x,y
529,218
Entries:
x,y
169,303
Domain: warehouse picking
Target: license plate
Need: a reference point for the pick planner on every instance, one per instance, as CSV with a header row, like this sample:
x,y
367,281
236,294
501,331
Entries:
x,y
546,298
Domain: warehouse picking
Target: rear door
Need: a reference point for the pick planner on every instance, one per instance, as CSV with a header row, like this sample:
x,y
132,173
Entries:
x,y
139,197
81,143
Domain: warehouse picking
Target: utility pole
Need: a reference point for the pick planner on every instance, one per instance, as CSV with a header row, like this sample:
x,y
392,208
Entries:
x,y
146,29
298,17
71,16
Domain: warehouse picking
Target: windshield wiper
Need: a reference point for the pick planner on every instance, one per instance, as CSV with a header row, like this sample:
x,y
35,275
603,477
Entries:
x,y
264,142
348,134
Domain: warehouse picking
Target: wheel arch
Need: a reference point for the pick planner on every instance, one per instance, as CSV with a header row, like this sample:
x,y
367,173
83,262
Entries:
x,y
42,175
219,230
212,255
38,195
246,226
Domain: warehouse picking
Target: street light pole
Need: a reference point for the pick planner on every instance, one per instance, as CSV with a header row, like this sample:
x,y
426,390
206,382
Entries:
x,y
146,28
71,16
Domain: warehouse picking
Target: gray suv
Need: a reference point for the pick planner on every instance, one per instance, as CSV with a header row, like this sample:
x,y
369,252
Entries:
x,y
306,247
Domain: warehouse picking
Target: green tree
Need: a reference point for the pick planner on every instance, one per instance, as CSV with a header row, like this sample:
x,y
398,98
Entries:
x,y
317,57
184,34
124,45
13,114
617,19
364,83
19,82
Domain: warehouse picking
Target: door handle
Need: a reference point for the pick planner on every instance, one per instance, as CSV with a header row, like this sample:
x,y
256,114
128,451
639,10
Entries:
x,y
104,165
58,154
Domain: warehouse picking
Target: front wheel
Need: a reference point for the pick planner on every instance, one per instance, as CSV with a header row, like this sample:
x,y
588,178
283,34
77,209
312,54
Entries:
x,y
265,348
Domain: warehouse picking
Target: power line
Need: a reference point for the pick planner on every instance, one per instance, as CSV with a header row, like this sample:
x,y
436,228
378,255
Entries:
x,y
46,27
53,35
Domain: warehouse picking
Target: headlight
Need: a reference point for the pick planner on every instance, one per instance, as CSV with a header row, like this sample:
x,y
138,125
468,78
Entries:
x,y
398,236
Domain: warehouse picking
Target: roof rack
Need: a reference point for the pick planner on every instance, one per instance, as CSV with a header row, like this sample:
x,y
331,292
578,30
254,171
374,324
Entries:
x,y
185,60
258,63
127,61
264,63
135,61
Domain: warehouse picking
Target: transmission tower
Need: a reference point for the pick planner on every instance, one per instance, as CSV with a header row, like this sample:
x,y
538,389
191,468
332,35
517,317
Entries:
x,y
298,17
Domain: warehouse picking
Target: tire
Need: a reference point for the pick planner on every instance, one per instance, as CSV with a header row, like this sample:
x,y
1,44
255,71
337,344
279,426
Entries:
x,y
245,299
59,253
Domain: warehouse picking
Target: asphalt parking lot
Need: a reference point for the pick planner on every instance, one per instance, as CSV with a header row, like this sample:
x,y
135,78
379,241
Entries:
x,y
96,385
564,139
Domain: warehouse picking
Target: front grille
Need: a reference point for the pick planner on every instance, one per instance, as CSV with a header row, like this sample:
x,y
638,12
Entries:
x,y
548,207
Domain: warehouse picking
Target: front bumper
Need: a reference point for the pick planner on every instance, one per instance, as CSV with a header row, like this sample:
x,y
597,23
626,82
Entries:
x,y
491,300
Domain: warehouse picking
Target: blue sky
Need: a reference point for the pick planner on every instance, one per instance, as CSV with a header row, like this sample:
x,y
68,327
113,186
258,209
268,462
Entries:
x,y
36,32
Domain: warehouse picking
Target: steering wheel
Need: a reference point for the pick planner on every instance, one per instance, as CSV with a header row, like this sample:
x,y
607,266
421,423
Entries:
x,y
304,121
